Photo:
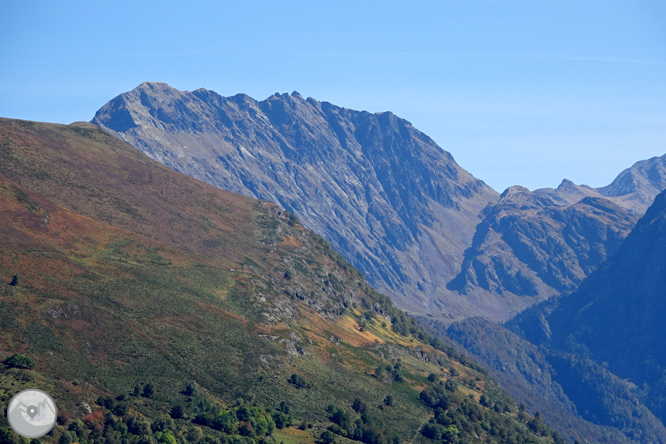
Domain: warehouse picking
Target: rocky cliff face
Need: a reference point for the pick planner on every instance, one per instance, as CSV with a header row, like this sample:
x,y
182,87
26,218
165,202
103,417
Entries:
x,y
386,196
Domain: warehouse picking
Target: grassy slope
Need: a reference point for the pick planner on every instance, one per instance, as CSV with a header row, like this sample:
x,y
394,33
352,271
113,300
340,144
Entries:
x,y
131,273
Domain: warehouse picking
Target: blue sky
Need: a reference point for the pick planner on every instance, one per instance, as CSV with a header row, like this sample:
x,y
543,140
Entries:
x,y
520,92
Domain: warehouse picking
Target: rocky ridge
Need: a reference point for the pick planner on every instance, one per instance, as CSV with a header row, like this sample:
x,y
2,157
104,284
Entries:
x,y
386,196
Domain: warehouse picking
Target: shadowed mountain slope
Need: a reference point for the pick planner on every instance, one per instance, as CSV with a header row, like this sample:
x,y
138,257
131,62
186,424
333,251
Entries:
x,y
616,315
387,197
581,398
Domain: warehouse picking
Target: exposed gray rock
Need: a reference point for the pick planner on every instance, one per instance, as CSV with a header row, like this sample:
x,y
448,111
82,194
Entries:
x,y
395,205
388,198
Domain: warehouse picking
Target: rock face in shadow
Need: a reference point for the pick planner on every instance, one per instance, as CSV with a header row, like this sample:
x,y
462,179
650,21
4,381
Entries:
x,y
387,197
617,313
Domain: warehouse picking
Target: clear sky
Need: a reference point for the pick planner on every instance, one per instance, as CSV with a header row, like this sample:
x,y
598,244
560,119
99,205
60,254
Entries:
x,y
520,92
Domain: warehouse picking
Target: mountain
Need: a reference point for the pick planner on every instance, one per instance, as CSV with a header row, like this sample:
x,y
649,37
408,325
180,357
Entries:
x,y
615,316
154,307
388,198
391,201
531,246
581,397
636,187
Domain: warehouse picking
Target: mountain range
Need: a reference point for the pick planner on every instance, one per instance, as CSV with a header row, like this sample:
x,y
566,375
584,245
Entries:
x,y
593,355
386,196
423,230
544,243
136,275
616,314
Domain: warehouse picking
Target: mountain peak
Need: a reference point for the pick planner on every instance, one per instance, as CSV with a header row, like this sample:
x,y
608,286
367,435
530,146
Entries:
x,y
515,190
154,86
381,191
566,183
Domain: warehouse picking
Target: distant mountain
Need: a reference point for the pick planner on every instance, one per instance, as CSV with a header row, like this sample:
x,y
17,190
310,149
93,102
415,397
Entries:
x,y
531,246
535,245
158,308
616,315
387,197
636,187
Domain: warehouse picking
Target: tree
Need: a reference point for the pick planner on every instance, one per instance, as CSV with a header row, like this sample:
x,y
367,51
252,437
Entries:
x,y
195,434
8,436
64,418
15,280
190,388
359,406
341,418
388,401
120,409
66,437
18,360
168,438
432,431
281,419
177,412
298,381
328,437
284,407
162,424
148,390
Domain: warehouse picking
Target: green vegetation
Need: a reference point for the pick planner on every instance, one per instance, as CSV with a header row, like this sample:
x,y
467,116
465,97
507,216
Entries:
x,y
457,418
18,360
145,331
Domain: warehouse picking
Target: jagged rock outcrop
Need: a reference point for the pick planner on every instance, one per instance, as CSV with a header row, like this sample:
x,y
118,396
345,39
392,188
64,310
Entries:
x,y
387,197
